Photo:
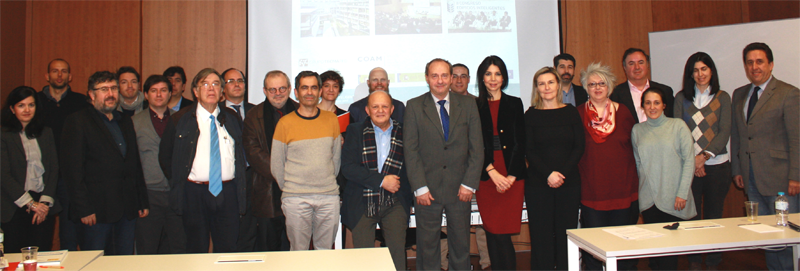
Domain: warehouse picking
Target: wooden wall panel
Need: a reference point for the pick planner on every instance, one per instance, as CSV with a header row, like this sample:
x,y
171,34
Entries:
x,y
672,15
600,31
90,35
12,33
773,10
194,35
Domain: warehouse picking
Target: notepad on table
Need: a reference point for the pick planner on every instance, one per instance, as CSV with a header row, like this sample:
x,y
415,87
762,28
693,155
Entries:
x,y
50,258
632,233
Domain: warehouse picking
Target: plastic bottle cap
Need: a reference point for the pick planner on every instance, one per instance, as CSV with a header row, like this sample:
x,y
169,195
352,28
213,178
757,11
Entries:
x,y
780,194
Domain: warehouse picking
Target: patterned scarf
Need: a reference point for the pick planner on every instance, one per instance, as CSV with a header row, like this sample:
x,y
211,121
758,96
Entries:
x,y
394,162
601,127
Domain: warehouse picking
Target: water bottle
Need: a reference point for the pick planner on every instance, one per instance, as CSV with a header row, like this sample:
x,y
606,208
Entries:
x,y
782,209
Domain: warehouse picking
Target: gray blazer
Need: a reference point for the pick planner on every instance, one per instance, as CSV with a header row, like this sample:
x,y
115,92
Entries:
x,y
769,139
443,166
148,141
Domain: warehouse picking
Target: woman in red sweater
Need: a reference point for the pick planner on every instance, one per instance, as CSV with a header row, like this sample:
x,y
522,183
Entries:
x,y
610,184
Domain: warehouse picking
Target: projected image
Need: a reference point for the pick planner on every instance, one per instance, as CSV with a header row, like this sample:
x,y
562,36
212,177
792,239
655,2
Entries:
x,y
408,17
334,18
479,16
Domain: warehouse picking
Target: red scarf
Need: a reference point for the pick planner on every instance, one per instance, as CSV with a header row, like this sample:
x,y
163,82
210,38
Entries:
x,y
600,127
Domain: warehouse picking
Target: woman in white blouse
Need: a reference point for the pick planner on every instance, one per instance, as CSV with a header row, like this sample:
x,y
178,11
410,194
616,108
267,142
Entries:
x,y
28,174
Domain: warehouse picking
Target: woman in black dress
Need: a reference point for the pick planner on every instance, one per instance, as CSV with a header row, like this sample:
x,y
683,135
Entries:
x,y
554,146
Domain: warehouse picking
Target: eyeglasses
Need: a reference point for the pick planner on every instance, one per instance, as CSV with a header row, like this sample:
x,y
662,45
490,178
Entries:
x,y
279,90
596,85
106,89
208,86
231,81
463,76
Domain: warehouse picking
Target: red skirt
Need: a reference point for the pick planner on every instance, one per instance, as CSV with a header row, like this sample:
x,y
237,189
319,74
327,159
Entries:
x,y
500,213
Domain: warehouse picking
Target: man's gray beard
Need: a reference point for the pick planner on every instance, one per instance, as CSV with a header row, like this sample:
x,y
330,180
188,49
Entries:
x,y
105,109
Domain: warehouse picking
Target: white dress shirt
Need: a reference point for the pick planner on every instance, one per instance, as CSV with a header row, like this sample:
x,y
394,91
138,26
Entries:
x,y
750,93
201,163
230,105
636,95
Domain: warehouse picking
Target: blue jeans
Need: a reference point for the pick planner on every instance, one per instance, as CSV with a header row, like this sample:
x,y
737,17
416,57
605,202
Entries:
x,y
776,260
115,238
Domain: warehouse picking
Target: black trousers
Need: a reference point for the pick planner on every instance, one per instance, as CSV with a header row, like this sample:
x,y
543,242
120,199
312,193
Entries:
x,y
501,251
204,214
20,232
709,199
551,212
654,215
591,218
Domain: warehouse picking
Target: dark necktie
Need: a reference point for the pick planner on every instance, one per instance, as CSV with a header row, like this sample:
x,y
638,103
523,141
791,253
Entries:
x,y
752,103
445,119
215,163
238,109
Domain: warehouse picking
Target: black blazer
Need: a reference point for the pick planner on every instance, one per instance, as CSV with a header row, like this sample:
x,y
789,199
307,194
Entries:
x,y
581,96
186,103
511,130
359,177
99,179
179,145
14,170
622,94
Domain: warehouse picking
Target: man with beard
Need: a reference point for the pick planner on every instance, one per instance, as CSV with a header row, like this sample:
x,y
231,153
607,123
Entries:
x,y
306,148
132,101
378,80
573,94
259,127
102,169
57,101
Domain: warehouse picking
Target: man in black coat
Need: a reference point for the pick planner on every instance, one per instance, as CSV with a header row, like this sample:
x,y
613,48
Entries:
x,y
573,94
100,164
205,166
637,69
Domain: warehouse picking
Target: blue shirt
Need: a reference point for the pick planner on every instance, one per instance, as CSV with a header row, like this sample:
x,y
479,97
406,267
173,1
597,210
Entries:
x,y
113,127
383,142
569,97
177,106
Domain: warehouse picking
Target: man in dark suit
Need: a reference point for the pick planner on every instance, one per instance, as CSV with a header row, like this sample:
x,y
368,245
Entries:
x,y
162,230
177,77
764,140
265,196
377,189
444,155
637,69
378,80
102,169
56,102
573,94
201,154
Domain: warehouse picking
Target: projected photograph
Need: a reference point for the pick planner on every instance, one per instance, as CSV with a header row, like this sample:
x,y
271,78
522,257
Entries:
x,y
334,18
394,17
479,16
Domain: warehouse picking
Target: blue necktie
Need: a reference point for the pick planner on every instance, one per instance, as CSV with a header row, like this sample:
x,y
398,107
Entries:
x,y
445,119
752,103
215,167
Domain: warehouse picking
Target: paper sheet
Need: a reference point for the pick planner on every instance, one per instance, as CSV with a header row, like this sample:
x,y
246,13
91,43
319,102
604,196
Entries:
x,y
699,225
255,258
761,228
633,233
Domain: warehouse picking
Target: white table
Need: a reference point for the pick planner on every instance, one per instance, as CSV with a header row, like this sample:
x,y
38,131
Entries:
x,y
346,259
75,260
611,248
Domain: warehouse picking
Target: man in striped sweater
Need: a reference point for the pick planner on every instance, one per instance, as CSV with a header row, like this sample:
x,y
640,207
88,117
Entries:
x,y
306,148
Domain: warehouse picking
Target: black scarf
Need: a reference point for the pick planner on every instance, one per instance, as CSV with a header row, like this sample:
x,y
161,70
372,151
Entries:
x,y
392,165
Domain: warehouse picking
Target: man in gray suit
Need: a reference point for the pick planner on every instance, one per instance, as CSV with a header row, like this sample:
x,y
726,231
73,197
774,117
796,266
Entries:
x,y
764,140
162,230
443,149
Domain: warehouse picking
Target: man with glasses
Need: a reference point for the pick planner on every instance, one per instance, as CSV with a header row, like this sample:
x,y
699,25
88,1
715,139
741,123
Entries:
x,y
378,80
265,195
233,86
177,77
102,170
573,94
202,155
460,81
306,148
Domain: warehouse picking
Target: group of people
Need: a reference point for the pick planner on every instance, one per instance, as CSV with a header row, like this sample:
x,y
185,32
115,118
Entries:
x,y
161,173
481,22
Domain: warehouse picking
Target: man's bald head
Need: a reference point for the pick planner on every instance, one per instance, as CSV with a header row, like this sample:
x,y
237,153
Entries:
x,y
378,80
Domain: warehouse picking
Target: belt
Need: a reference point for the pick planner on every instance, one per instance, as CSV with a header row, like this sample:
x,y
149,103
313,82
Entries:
x,y
206,182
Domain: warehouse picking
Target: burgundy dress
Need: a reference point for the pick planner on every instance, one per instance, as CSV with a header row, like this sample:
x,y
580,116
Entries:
x,y
501,213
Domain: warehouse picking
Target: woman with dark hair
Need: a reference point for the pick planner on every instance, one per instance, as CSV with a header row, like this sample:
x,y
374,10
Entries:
x,y
502,187
706,108
554,146
332,84
28,173
664,156
609,184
